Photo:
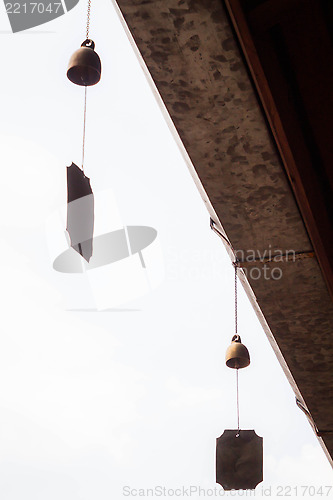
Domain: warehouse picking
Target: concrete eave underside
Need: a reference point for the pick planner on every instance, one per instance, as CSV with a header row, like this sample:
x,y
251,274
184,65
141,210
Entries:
x,y
192,56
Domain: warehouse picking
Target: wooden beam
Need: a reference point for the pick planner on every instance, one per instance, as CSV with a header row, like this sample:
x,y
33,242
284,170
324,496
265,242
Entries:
x,y
307,192
271,12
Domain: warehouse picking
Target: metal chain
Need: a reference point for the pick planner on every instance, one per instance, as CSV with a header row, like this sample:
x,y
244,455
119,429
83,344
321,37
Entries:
x,y
237,401
85,90
84,126
88,19
235,264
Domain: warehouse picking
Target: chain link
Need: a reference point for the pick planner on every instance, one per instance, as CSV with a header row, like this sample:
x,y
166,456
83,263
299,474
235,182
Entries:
x,y
88,19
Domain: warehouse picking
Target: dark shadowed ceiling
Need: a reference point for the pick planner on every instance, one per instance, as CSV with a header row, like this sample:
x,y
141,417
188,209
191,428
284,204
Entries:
x,y
248,86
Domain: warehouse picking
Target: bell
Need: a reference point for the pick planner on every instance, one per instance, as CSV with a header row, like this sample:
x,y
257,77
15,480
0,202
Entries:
x,y
85,65
237,355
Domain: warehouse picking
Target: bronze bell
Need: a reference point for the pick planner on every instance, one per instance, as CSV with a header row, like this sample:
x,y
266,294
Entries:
x,y
237,355
85,65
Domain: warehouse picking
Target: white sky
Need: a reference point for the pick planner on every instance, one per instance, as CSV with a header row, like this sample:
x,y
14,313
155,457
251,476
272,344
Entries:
x,y
134,396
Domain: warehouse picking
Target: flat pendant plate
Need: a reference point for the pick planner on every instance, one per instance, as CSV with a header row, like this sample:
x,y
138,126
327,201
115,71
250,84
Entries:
x,y
80,211
239,460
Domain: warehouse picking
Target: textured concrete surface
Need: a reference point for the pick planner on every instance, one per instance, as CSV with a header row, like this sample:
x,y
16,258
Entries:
x,y
193,58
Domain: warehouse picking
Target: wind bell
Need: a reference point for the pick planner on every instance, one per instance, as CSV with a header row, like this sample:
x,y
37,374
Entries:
x,y
239,453
85,70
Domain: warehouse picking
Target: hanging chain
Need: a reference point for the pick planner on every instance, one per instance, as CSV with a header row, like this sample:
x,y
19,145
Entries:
x,y
85,90
88,19
237,402
235,264
84,126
